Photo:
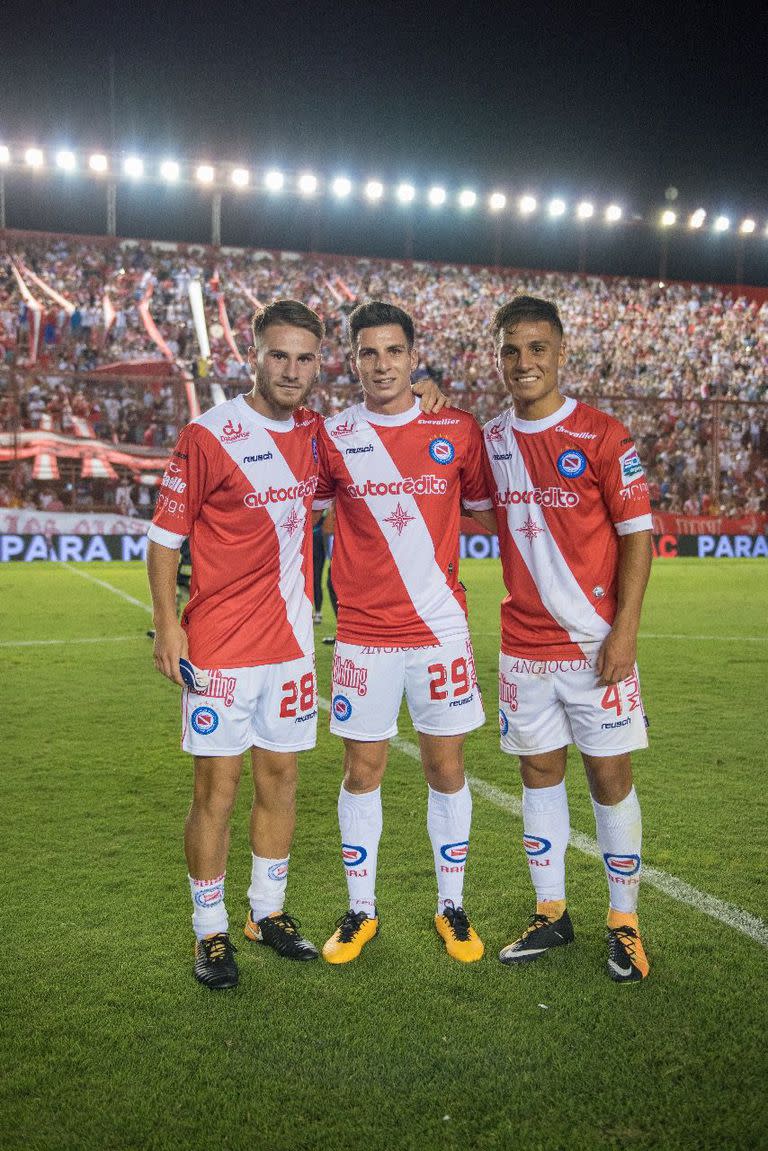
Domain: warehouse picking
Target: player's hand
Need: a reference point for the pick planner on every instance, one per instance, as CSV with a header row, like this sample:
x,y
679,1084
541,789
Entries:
x,y
617,656
170,646
432,399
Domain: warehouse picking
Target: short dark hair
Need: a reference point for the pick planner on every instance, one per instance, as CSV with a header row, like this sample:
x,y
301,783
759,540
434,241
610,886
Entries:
x,y
292,313
530,308
376,315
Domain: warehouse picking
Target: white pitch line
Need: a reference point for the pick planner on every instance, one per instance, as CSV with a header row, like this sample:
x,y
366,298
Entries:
x,y
110,587
55,642
677,889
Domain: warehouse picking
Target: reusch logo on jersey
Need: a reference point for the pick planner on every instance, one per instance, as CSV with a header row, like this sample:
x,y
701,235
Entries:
x,y
503,723
341,708
346,673
631,468
281,495
257,459
572,463
358,451
535,845
232,433
507,693
175,483
345,429
278,871
353,855
622,864
546,497
455,852
442,451
408,486
204,720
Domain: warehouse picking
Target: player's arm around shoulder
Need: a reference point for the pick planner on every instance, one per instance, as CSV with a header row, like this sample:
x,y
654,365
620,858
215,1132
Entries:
x,y
476,498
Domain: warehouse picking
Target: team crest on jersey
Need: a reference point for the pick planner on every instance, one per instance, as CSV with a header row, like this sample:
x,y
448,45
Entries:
x,y
630,466
233,432
535,845
204,720
622,864
455,852
442,451
341,708
345,429
572,463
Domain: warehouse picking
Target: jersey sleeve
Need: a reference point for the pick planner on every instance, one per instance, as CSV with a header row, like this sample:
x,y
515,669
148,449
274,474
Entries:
x,y
623,484
186,482
326,488
475,493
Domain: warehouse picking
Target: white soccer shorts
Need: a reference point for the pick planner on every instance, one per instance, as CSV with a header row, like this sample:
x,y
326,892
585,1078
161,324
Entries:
x,y
440,685
548,704
273,706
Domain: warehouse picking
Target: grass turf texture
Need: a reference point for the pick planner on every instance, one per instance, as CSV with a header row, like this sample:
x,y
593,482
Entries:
x,y
109,1043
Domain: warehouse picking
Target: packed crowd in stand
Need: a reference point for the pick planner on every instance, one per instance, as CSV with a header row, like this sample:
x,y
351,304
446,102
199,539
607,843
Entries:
x,y
656,355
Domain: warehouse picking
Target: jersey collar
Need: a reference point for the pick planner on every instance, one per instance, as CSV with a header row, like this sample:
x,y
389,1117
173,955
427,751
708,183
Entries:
x,y
263,421
391,421
530,426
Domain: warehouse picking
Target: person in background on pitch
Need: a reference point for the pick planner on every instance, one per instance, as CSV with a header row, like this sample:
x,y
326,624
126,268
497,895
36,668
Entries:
x,y
239,486
398,478
322,546
574,523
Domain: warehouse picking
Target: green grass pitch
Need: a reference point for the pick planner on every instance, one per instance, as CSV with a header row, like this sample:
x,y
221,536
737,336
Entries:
x,y
109,1043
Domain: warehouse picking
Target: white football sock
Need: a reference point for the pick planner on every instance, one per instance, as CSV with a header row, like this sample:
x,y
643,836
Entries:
x,y
269,879
620,837
360,823
449,818
546,827
209,916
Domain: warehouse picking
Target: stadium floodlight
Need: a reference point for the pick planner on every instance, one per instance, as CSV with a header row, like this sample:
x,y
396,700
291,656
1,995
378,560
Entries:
x,y
697,218
5,154
722,224
307,183
668,218
374,190
240,177
133,166
205,173
497,201
98,162
556,208
467,198
274,181
527,205
406,193
341,187
585,210
169,170
613,213
33,158
66,160
747,227
437,196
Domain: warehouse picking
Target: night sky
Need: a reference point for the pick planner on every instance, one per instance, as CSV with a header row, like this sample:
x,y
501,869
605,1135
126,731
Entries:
x,y
616,102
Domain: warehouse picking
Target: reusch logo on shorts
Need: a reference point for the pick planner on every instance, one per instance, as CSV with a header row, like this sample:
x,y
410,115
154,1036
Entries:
x,y
204,720
572,463
341,708
622,864
233,432
535,845
278,871
442,451
455,852
503,723
352,855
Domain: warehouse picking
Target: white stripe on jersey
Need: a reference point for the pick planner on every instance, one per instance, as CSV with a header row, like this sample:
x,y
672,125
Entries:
x,y
424,580
556,584
275,473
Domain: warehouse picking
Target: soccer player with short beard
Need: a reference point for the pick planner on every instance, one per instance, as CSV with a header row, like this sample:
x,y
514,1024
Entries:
x,y
574,523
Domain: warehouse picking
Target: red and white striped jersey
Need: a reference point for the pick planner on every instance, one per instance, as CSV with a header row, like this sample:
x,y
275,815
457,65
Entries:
x,y
240,486
564,489
398,482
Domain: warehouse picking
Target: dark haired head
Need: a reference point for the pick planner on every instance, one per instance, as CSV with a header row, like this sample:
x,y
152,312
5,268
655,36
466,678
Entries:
x,y
376,315
526,309
292,313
